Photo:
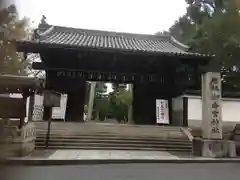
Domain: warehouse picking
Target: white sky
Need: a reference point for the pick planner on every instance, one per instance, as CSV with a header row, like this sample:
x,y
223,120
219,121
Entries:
x,y
134,16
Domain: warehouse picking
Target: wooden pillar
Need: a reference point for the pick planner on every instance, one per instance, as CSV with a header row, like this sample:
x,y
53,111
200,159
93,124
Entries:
x,y
130,108
179,111
22,119
185,112
75,103
91,100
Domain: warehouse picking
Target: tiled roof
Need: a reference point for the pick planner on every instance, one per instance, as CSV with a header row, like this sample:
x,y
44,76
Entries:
x,y
77,38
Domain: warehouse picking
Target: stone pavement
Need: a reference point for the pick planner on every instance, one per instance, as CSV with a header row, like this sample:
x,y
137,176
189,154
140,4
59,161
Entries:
x,y
101,154
63,157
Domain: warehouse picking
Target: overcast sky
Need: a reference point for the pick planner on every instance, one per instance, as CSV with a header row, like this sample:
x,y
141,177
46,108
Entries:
x,y
134,16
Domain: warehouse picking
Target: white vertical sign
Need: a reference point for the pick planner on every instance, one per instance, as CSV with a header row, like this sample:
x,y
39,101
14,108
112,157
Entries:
x,y
162,113
211,99
59,112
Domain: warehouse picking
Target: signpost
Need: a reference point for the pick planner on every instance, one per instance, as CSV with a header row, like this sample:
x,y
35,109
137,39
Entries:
x,y
51,99
162,111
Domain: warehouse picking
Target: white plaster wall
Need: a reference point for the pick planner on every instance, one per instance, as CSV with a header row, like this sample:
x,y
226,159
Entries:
x,y
230,109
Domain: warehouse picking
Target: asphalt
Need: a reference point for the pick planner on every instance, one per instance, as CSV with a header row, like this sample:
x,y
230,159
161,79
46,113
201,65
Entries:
x,y
156,171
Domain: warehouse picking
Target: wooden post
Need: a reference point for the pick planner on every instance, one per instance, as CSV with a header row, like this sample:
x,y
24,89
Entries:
x,y
130,110
49,114
30,107
51,99
91,100
21,123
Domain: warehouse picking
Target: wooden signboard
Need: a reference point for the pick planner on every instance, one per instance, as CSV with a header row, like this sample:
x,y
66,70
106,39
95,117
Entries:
x,y
51,99
12,107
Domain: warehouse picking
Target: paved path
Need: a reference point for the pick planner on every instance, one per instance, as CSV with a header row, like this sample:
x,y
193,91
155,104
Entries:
x,y
76,157
100,154
110,154
220,171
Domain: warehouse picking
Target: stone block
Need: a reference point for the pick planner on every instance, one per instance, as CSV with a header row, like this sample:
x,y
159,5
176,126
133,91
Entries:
x,y
18,145
214,148
27,148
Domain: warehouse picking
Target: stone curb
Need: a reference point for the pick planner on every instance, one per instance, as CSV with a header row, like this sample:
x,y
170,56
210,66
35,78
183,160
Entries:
x,y
47,162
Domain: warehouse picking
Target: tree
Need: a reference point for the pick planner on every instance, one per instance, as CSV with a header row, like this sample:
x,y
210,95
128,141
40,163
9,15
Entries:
x,y
120,100
11,28
210,27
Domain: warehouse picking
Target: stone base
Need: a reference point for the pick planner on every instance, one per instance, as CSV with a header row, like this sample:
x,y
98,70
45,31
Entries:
x,y
17,142
214,148
20,149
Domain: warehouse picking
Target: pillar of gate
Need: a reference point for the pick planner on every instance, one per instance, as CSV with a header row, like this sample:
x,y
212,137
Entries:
x,y
212,143
91,100
75,103
130,110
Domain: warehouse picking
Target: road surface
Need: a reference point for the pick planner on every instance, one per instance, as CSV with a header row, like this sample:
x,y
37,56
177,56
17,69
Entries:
x,y
163,171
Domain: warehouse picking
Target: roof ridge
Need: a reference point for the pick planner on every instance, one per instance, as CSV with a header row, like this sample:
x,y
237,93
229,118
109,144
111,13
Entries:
x,y
59,36
109,33
47,31
179,44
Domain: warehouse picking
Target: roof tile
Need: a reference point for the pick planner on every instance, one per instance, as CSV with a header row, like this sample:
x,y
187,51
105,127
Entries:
x,y
110,40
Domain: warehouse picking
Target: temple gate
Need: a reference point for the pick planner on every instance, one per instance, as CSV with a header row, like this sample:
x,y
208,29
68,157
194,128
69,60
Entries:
x,y
159,67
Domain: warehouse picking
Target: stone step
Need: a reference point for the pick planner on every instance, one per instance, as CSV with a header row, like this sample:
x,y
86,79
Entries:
x,y
111,131
114,144
113,134
111,128
116,148
114,138
178,133
126,141
91,125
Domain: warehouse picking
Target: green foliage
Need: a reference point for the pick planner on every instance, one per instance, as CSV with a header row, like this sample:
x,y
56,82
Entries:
x,y
120,101
102,107
11,28
101,101
212,27
183,30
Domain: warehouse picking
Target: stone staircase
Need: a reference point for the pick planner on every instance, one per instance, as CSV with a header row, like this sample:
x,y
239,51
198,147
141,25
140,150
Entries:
x,y
112,137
